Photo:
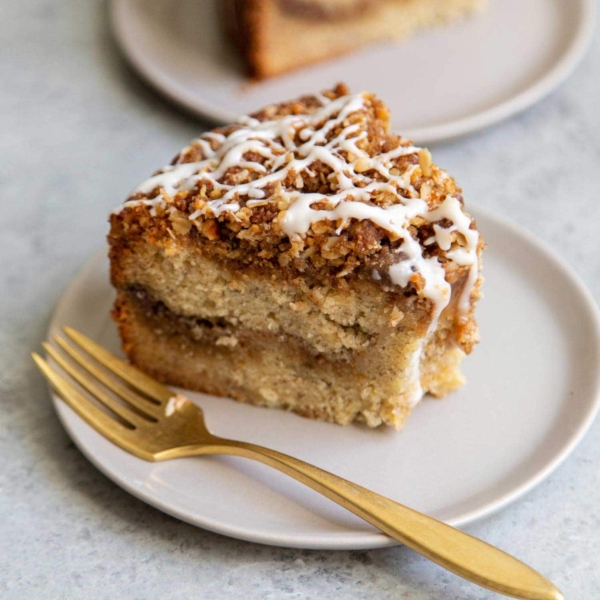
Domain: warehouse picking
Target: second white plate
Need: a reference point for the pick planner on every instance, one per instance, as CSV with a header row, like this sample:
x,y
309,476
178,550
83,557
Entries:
x,y
532,392
440,84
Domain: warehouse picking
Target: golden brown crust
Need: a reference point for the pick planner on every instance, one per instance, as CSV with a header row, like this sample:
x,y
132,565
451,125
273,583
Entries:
x,y
242,21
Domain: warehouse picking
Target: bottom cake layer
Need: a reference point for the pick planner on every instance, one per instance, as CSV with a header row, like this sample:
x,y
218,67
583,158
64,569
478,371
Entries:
x,y
272,370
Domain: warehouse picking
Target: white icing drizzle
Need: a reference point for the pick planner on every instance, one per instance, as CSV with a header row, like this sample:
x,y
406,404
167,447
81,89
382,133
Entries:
x,y
415,390
275,141
174,404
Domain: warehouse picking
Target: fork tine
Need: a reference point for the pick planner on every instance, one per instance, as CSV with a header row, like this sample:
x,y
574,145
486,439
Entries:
x,y
84,407
147,406
134,377
132,418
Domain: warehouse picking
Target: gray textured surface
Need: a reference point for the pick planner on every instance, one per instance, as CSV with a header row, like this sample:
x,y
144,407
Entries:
x,y
77,129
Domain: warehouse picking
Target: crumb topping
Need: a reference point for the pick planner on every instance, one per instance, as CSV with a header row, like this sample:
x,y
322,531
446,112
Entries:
x,y
320,183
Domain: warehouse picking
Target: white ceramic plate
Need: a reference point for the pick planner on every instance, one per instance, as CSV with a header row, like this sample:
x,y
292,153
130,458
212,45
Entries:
x,y
453,80
533,391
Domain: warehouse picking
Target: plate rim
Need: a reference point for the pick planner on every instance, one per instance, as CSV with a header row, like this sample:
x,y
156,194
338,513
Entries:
x,y
355,540
542,87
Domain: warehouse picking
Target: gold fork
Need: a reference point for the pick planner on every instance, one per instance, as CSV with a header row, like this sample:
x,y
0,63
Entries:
x,y
154,423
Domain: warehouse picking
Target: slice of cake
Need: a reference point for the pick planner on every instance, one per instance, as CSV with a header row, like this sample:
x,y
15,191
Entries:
x,y
276,36
304,258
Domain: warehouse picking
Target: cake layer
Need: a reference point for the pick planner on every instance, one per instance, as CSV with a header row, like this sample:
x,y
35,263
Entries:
x,y
279,35
278,370
332,352
338,319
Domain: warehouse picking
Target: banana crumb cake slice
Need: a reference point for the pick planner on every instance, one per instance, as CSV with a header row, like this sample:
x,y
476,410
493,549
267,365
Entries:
x,y
276,36
302,258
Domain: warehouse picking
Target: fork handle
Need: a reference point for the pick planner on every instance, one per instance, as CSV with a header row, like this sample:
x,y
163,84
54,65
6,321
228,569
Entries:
x,y
451,548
